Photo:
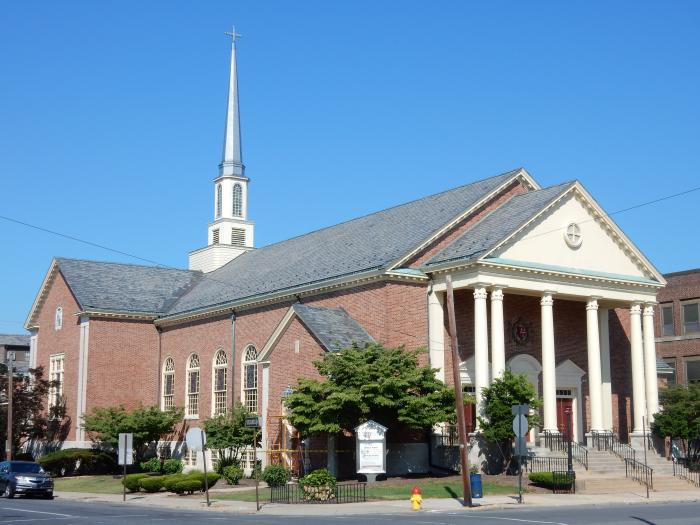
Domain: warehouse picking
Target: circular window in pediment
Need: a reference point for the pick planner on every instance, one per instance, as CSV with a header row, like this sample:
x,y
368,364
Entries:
x,y
572,235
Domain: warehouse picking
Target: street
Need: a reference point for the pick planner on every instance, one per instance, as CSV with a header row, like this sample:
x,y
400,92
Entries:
x,y
69,512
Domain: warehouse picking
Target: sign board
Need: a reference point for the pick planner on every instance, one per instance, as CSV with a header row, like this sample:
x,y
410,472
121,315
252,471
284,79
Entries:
x,y
520,425
126,449
520,446
371,448
520,409
196,439
252,422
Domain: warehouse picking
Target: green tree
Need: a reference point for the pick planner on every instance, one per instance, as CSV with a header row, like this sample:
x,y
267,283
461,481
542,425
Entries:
x,y
29,419
497,420
148,424
384,384
680,417
228,434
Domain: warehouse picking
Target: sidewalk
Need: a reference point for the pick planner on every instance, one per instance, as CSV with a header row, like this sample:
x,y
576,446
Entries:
x,y
384,507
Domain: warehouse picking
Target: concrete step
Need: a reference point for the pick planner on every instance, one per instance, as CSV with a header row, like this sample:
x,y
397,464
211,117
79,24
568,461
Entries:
x,y
606,485
668,484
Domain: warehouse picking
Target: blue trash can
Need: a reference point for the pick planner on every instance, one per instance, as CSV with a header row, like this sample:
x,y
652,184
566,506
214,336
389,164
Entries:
x,y
475,484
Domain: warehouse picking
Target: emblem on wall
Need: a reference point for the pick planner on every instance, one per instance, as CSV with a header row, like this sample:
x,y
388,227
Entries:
x,y
520,331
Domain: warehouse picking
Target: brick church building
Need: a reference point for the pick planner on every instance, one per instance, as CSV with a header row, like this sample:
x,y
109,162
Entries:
x,y
546,284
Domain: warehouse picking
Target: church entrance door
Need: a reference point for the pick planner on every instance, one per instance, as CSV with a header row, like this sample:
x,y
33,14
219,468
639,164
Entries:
x,y
564,405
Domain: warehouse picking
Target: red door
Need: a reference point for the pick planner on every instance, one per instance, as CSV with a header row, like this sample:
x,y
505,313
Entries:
x,y
470,417
564,405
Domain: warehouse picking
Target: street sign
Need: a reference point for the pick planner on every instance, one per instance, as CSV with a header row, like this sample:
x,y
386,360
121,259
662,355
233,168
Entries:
x,y
126,449
196,439
520,446
520,409
252,422
520,425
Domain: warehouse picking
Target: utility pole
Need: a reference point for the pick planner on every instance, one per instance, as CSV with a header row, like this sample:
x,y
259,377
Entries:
x,y
9,357
459,402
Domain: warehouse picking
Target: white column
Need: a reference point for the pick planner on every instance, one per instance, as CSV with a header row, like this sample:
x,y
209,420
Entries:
x,y
637,359
549,374
81,398
498,347
606,376
436,333
650,374
481,345
595,384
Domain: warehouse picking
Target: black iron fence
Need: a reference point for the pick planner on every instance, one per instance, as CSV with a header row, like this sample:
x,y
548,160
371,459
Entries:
x,y
639,472
623,450
602,441
558,442
681,470
341,493
545,464
563,482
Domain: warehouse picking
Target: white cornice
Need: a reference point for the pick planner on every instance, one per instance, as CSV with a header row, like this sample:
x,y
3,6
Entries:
x,y
30,322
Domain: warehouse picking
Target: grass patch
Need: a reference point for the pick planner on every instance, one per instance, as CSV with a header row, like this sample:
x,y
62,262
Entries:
x,y
94,484
376,491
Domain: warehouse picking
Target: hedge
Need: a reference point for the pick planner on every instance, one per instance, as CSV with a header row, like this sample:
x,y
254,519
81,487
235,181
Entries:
x,y
546,479
77,462
151,483
188,485
212,477
132,481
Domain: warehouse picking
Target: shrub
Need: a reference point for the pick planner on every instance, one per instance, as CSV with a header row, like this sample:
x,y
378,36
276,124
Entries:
x,y
172,466
233,474
151,483
187,485
77,462
151,465
546,479
318,485
170,481
224,462
131,482
212,477
275,475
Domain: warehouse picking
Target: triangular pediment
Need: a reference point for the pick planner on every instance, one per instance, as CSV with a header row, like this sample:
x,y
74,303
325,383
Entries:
x,y
574,235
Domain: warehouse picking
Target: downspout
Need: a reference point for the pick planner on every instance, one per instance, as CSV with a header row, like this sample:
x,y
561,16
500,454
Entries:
x,y
159,370
233,358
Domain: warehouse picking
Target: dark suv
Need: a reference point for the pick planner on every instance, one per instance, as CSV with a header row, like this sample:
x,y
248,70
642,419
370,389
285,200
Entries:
x,y
24,477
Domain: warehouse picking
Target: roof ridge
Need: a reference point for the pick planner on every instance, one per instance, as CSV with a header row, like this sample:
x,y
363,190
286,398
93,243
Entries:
x,y
511,172
136,265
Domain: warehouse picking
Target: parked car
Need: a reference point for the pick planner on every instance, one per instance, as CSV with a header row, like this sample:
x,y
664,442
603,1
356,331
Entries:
x,y
24,477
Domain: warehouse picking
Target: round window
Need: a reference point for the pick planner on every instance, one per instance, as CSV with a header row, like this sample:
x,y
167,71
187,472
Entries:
x,y
572,235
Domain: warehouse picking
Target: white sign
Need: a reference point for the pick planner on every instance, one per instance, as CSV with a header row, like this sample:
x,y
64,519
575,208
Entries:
x,y
196,439
371,448
520,425
126,449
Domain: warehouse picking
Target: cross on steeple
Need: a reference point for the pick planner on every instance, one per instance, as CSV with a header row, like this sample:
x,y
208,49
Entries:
x,y
234,36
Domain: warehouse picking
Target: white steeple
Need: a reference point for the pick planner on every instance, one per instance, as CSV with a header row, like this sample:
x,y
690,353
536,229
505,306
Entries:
x,y
231,233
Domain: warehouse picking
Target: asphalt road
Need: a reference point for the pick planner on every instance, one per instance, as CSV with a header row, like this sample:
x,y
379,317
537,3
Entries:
x,y
28,511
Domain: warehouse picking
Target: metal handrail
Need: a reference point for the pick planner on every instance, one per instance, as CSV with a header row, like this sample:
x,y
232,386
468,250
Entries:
x,y
545,463
602,441
557,441
623,450
640,472
579,453
681,470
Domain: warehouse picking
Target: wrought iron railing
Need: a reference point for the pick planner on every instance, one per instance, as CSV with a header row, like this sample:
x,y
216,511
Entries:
x,y
602,441
341,493
558,442
623,450
448,438
681,470
563,482
640,472
545,464
579,453
554,440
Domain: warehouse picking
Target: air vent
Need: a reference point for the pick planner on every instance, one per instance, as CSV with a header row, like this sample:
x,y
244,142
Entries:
x,y
238,237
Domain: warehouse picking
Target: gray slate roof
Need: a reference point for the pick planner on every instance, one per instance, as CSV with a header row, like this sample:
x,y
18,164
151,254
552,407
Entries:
x,y
368,243
497,225
14,340
333,327
125,287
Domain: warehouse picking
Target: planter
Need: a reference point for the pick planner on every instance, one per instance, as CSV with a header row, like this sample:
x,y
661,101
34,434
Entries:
x,y
476,485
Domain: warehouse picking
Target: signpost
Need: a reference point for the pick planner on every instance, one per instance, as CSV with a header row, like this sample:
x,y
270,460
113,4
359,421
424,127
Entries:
x,y
254,422
197,440
125,455
520,428
371,449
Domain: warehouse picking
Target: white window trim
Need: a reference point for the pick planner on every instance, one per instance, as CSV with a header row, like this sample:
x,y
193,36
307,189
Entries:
x,y
53,393
673,323
58,318
214,368
684,303
244,361
240,203
219,201
165,372
187,386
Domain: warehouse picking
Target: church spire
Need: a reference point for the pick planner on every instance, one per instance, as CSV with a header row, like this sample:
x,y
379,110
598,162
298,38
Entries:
x,y
232,160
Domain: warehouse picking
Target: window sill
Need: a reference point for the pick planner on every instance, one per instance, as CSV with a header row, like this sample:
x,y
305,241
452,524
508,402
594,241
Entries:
x,y
668,338
194,417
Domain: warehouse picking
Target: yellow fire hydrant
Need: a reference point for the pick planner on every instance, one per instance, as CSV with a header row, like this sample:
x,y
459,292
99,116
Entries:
x,y
416,498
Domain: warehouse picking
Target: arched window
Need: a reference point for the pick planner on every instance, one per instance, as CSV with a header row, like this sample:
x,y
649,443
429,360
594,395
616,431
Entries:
x,y
169,384
220,382
192,400
250,379
237,200
58,319
218,201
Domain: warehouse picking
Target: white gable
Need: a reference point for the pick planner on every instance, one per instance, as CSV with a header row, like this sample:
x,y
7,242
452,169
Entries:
x,y
601,250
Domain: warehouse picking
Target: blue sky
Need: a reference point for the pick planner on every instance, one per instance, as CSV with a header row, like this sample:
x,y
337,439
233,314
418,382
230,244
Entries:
x,y
111,117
